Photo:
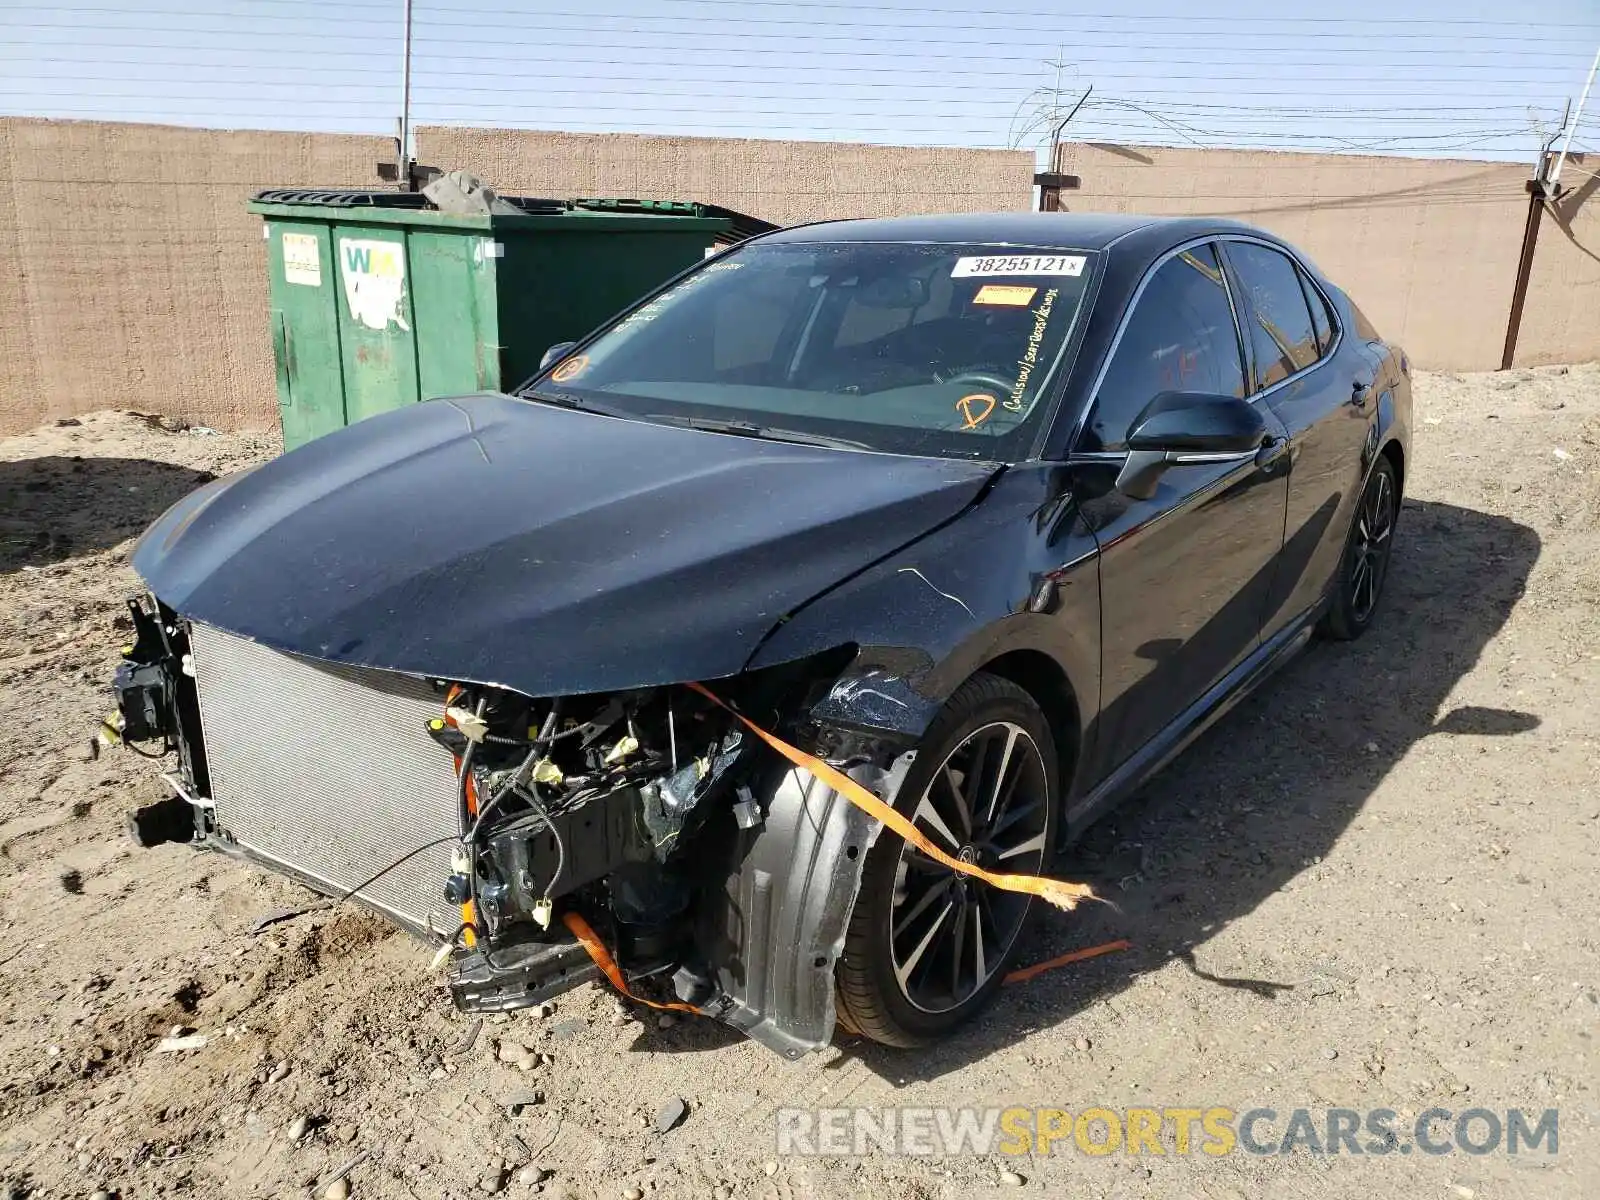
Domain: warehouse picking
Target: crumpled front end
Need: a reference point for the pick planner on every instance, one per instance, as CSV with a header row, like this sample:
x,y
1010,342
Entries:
x,y
540,842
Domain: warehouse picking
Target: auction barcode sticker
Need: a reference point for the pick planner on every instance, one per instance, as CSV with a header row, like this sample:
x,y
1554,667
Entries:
x,y
1019,264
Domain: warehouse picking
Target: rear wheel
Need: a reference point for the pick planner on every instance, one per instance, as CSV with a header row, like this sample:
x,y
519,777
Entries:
x,y
927,946
1359,585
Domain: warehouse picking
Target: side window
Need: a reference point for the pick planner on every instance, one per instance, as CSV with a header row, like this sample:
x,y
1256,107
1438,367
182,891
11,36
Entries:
x,y
1321,317
1181,337
1279,322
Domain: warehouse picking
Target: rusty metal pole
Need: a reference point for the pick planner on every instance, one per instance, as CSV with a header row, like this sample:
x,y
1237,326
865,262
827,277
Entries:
x,y
1530,242
407,182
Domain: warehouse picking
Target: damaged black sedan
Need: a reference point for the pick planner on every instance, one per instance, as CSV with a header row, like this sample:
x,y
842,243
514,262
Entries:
x,y
949,529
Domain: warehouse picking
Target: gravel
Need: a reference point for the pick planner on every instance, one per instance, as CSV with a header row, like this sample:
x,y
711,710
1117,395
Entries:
x,y
1279,882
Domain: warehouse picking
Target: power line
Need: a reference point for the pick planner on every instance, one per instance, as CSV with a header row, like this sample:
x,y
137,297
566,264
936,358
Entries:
x,y
1184,20
801,118
920,16
519,77
1319,109
559,86
805,130
518,80
1386,112
550,87
607,127
653,95
1116,48
605,112
1138,39
697,36
1338,80
798,56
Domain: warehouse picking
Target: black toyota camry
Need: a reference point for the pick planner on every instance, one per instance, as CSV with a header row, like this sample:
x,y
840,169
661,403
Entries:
x,y
950,529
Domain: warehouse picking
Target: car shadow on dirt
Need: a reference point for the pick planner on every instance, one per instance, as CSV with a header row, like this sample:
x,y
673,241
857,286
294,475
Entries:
x,y
55,508
1265,794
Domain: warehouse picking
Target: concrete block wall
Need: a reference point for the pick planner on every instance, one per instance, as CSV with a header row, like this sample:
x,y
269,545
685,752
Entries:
x,y
782,182
1427,247
131,275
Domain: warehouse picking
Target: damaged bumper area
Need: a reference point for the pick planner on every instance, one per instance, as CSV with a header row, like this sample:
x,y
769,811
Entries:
x,y
645,836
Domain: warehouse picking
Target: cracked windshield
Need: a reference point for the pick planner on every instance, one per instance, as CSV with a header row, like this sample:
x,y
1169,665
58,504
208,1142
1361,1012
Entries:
x,y
921,349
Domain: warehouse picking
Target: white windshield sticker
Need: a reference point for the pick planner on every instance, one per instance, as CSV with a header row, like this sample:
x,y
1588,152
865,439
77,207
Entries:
x,y
1019,264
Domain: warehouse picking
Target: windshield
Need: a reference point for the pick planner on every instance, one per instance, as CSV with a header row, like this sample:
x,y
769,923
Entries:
x,y
906,348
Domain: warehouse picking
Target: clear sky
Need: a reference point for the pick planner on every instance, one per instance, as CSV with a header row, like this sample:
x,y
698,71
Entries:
x,y
1466,78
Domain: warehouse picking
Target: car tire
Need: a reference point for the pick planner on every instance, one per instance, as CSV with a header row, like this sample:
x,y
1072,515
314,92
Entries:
x,y
1364,566
887,988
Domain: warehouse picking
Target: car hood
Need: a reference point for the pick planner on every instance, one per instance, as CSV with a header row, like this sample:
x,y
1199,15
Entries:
x,y
501,541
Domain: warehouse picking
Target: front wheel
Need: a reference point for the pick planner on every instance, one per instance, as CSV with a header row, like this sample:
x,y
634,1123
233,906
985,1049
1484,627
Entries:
x,y
1359,584
927,947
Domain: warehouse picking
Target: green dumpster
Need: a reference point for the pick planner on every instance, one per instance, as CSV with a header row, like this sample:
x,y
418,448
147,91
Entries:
x,y
381,300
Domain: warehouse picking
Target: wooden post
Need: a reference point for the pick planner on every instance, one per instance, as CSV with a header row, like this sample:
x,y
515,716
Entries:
x,y
1051,184
1530,242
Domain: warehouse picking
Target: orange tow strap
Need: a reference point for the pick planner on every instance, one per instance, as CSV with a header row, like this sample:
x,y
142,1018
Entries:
x,y
1023,974
1055,891
585,933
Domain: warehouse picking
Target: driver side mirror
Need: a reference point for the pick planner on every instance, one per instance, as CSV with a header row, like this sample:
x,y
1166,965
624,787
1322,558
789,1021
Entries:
x,y
1185,429
555,354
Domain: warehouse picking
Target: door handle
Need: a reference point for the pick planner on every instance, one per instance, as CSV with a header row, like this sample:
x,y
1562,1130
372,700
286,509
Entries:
x,y
1360,389
1271,451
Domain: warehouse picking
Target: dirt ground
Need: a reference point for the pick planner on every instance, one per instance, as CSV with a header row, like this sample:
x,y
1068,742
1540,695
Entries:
x,y
1372,885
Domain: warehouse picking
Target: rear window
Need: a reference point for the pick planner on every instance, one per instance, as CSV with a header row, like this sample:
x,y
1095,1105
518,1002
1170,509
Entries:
x,y
909,348
1279,321
1321,314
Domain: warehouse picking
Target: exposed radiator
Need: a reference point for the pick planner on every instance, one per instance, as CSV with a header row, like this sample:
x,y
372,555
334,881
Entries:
x,y
327,770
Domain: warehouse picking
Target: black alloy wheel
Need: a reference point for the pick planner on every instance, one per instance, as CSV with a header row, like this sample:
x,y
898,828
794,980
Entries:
x,y
1359,586
927,945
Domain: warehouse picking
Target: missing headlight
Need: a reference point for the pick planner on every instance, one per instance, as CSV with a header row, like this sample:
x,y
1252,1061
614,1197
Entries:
x,y
626,810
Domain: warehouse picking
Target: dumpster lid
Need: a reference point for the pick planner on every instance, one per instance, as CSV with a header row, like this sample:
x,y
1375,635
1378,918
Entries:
x,y
410,201
743,225
740,225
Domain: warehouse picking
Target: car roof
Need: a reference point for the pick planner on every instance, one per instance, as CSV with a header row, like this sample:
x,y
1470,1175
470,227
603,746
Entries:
x,y
1074,230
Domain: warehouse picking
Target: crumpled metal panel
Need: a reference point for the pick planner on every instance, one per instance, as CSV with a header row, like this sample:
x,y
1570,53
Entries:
x,y
788,907
328,771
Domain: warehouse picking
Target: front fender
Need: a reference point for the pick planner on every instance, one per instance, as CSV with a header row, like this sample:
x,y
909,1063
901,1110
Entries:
x,y
1019,572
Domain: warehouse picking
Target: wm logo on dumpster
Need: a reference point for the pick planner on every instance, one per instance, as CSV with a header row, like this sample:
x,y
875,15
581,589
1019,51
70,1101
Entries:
x,y
374,276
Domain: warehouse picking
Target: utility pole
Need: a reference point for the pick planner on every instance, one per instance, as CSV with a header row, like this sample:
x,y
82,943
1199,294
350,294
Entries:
x,y
407,183
1544,186
1530,240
